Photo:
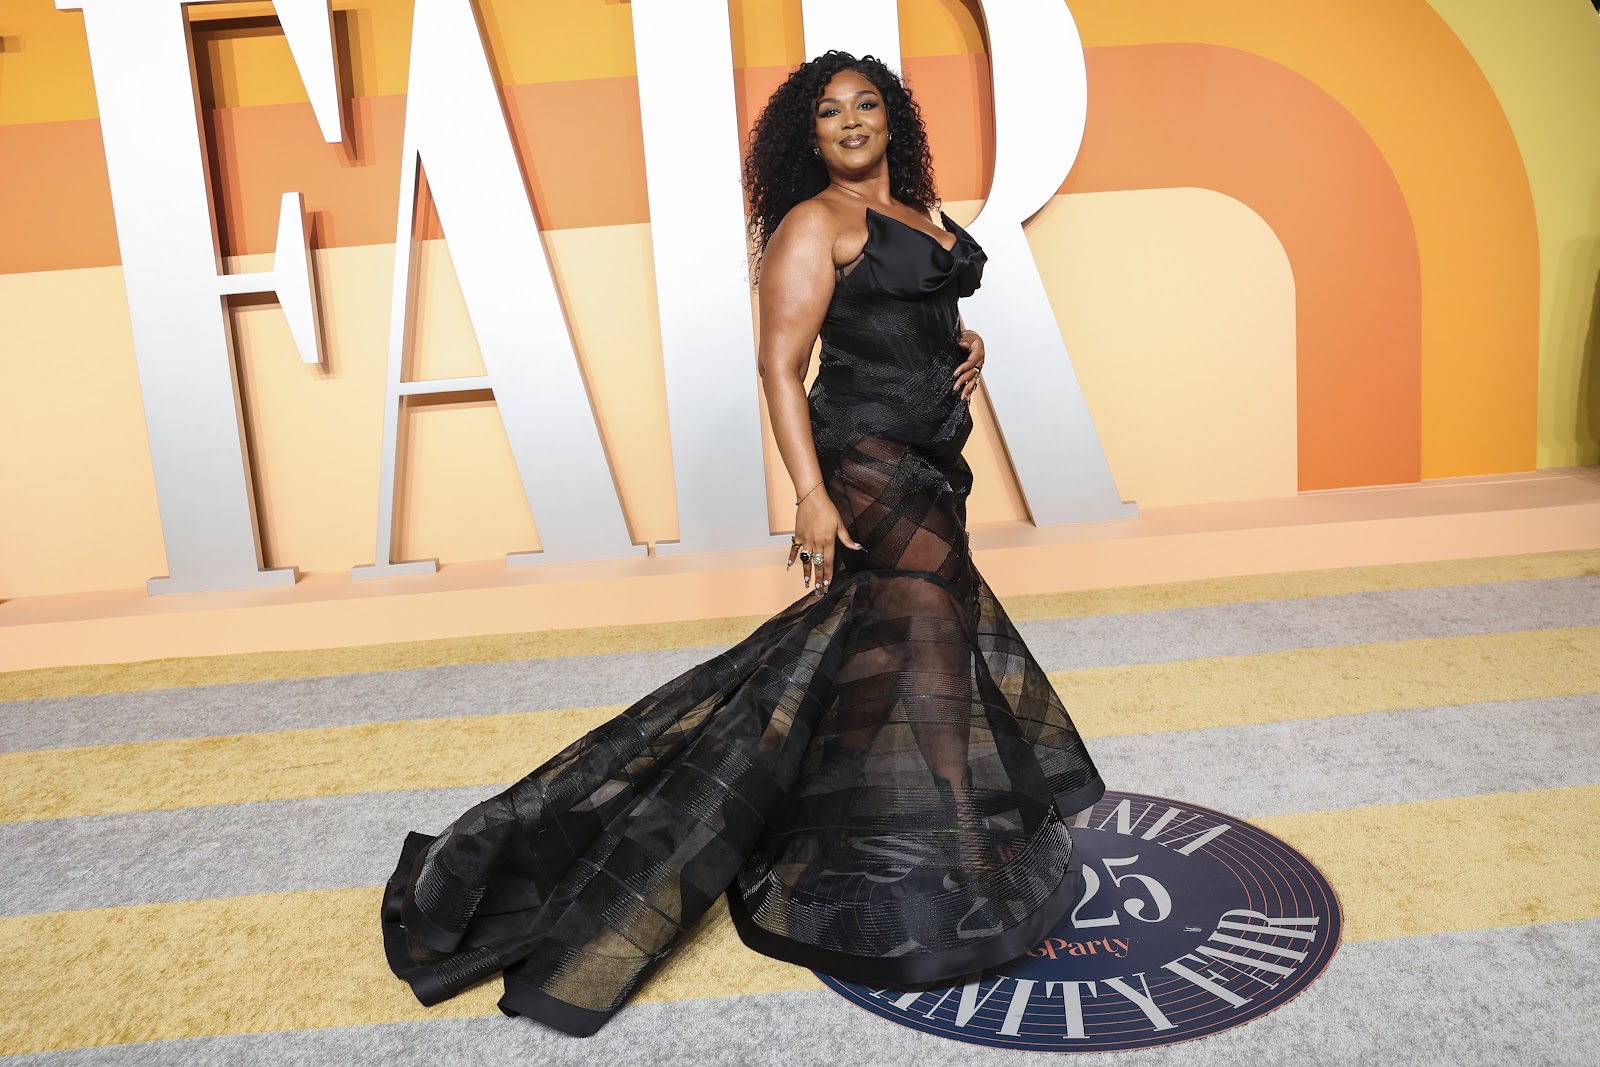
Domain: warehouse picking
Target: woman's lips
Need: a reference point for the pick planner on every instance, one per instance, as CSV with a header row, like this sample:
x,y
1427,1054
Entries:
x,y
853,142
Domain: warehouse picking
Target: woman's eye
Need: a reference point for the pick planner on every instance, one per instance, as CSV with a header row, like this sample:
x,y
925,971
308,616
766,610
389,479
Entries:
x,y
869,103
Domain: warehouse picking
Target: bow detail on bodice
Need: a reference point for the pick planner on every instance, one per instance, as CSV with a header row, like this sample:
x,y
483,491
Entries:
x,y
903,261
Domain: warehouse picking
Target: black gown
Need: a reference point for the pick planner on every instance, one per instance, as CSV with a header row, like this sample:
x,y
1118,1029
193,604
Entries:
x,y
878,777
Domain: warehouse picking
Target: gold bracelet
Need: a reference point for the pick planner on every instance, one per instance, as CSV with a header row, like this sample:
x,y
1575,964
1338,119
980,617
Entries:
x,y
807,493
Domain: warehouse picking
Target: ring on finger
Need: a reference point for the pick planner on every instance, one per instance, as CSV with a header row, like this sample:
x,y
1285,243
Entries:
x,y
819,558
805,557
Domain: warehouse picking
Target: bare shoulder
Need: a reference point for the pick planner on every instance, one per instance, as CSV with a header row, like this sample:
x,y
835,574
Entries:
x,y
811,223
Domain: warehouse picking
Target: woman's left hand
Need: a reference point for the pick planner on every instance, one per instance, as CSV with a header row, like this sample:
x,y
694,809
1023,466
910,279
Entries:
x,y
966,376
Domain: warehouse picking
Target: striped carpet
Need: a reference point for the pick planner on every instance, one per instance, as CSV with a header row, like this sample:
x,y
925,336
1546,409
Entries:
x,y
193,847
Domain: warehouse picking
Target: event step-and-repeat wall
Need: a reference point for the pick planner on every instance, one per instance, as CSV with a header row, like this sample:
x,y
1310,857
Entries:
x,y
1238,250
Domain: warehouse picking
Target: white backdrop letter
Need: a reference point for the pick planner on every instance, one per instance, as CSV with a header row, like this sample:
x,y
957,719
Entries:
x,y
182,340
697,230
455,127
1041,95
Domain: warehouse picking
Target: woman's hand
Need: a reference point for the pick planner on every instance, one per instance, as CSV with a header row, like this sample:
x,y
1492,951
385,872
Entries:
x,y
966,375
816,527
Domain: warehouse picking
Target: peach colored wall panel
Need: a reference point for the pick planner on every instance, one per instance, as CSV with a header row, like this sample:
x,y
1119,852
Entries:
x,y
461,498
1173,115
1411,83
77,495
315,432
582,150
44,68
607,280
1178,308
577,179
55,198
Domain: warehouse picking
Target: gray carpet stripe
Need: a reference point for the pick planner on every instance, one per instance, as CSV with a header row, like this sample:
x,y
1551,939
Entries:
x,y
343,842
340,700
1519,995
1314,622
587,681
156,857
1355,761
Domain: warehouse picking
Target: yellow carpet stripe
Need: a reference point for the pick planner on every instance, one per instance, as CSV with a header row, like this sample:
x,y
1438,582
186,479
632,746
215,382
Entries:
x,y
328,761
1463,863
313,959
1312,683
477,750
261,666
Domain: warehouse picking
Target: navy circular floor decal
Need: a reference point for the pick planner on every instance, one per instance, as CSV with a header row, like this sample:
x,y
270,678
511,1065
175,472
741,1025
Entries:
x,y
1187,922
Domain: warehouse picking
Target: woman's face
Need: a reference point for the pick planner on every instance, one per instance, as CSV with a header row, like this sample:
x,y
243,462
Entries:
x,y
852,124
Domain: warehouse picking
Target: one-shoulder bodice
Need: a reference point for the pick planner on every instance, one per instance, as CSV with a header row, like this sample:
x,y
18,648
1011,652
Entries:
x,y
889,347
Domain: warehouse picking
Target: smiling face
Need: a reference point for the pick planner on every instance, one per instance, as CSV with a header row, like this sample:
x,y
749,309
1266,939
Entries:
x,y
852,125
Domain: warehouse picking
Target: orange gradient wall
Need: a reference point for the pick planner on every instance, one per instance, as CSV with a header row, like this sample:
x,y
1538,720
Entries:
x,y
1303,248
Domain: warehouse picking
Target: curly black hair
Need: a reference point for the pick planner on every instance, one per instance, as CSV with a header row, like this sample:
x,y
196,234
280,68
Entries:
x,y
780,170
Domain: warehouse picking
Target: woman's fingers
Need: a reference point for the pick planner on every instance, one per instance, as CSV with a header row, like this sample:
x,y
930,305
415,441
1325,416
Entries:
x,y
966,379
966,375
819,569
817,564
967,385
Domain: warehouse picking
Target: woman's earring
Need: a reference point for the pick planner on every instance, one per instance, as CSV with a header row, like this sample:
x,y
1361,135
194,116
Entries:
x,y
816,151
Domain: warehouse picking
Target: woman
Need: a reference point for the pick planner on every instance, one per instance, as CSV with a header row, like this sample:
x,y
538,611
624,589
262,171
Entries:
x,y
878,777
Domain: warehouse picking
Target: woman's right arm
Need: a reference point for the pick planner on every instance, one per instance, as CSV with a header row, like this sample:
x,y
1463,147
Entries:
x,y
797,278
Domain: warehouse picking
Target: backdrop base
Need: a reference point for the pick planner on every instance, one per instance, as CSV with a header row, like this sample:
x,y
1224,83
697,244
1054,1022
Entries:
x,y
1448,519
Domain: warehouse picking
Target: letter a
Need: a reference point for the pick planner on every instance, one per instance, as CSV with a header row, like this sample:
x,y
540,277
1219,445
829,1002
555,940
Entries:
x,y
456,128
